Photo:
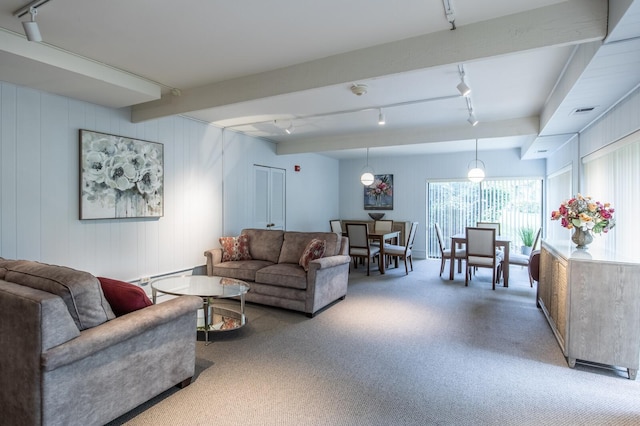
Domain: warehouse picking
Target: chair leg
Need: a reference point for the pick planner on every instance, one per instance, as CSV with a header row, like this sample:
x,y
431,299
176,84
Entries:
x,y
467,273
411,262
442,265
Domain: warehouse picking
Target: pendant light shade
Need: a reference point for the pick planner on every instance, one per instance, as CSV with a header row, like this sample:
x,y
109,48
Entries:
x,y
476,174
366,175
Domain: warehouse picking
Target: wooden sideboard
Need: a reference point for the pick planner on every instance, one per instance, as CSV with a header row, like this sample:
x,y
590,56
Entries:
x,y
591,299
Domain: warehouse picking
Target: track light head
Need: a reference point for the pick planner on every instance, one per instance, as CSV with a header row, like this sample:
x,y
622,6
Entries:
x,y
31,29
472,119
464,89
289,129
381,120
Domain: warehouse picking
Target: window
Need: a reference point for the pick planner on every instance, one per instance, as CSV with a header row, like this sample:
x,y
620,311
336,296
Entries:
x,y
610,175
454,205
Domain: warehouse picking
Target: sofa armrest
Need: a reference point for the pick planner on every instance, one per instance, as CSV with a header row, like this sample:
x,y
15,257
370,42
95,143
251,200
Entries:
x,y
98,338
214,256
328,262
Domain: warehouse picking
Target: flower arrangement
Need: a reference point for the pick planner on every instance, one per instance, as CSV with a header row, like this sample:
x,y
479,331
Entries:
x,y
381,186
586,214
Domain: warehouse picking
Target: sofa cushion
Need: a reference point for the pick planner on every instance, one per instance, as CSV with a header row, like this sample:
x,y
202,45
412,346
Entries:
x,y
240,269
314,250
265,244
235,248
289,275
295,243
123,297
79,290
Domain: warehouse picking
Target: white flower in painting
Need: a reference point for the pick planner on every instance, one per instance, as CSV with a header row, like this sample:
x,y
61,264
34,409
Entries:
x,y
94,166
121,174
149,182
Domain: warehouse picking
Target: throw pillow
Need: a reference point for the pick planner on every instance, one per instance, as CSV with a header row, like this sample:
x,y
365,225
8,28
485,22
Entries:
x,y
314,250
235,248
123,297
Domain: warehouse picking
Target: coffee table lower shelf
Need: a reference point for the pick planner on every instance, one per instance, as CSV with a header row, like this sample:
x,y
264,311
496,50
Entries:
x,y
222,319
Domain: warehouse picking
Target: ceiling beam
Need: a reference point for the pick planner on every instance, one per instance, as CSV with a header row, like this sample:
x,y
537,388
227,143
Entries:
x,y
125,87
565,23
496,129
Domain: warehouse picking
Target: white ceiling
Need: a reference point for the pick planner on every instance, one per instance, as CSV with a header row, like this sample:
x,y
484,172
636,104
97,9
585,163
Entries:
x,y
257,67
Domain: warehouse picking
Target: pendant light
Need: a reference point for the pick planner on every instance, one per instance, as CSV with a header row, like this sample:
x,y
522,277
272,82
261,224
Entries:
x,y
476,174
366,176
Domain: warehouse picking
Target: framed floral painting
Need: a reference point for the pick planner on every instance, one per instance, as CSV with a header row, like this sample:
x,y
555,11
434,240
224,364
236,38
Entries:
x,y
379,195
120,177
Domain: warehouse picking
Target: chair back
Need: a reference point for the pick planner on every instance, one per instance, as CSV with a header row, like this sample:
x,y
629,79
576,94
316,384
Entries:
x,y
440,239
491,225
412,236
358,235
481,242
383,225
535,241
336,226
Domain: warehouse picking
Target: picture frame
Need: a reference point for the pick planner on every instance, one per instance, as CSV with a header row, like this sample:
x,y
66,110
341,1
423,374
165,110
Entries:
x,y
120,177
379,195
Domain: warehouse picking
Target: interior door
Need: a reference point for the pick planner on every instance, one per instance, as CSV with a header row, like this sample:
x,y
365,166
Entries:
x,y
269,184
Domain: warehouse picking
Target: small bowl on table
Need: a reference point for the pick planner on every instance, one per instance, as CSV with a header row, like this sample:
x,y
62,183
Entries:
x,y
376,216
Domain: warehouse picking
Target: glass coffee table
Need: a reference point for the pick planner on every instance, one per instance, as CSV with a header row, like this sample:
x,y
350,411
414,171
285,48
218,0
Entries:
x,y
209,288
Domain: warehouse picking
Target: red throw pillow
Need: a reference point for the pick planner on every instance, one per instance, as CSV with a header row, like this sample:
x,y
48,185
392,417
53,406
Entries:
x,y
314,250
235,248
123,297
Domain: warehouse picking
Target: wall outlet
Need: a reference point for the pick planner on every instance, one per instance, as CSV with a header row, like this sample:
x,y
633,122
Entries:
x,y
144,280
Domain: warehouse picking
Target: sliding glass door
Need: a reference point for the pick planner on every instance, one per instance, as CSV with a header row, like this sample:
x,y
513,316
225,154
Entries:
x,y
454,205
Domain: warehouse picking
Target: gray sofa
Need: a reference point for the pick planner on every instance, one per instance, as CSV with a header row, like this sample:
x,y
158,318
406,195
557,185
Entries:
x,y
276,278
67,360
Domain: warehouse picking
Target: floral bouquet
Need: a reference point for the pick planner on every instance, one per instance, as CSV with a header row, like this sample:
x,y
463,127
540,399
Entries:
x,y
380,187
586,214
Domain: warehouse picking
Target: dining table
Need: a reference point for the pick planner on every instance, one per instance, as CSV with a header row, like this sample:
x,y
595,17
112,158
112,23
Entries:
x,y
501,241
382,237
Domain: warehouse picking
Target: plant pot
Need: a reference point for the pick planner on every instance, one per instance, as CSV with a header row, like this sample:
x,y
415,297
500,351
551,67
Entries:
x,y
526,250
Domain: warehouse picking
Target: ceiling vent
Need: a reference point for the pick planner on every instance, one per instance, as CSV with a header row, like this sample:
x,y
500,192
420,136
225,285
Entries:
x,y
583,110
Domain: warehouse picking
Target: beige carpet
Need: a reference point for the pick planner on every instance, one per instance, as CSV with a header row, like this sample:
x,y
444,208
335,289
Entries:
x,y
399,350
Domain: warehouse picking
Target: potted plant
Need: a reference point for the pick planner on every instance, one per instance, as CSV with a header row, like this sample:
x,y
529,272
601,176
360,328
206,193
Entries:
x,y
526,235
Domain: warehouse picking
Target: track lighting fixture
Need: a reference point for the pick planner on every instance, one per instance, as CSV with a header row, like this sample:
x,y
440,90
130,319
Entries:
x,y
289,129
463,88
31,29
476,174
366,176
472,119
381,119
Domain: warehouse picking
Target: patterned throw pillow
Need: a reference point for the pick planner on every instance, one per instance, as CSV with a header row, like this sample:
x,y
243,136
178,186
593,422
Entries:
x,y
235,248
314,250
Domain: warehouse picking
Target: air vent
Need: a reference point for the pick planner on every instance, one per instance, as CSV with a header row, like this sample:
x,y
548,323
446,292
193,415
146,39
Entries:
x,y
583,110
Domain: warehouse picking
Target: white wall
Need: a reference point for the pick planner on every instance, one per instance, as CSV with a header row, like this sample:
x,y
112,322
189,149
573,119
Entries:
x,y
410,176
39,188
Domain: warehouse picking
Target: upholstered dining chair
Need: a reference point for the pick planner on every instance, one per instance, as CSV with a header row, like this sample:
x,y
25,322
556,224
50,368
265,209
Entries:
x,y
482,253
403,252
382,225
525,260
359,247
491,225
445,253
336,226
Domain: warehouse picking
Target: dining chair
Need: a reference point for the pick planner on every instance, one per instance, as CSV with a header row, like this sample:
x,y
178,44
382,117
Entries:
x,y
382,225
491,225
403,251
522,259
534,266
482,253
336,226
359,247
445,253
